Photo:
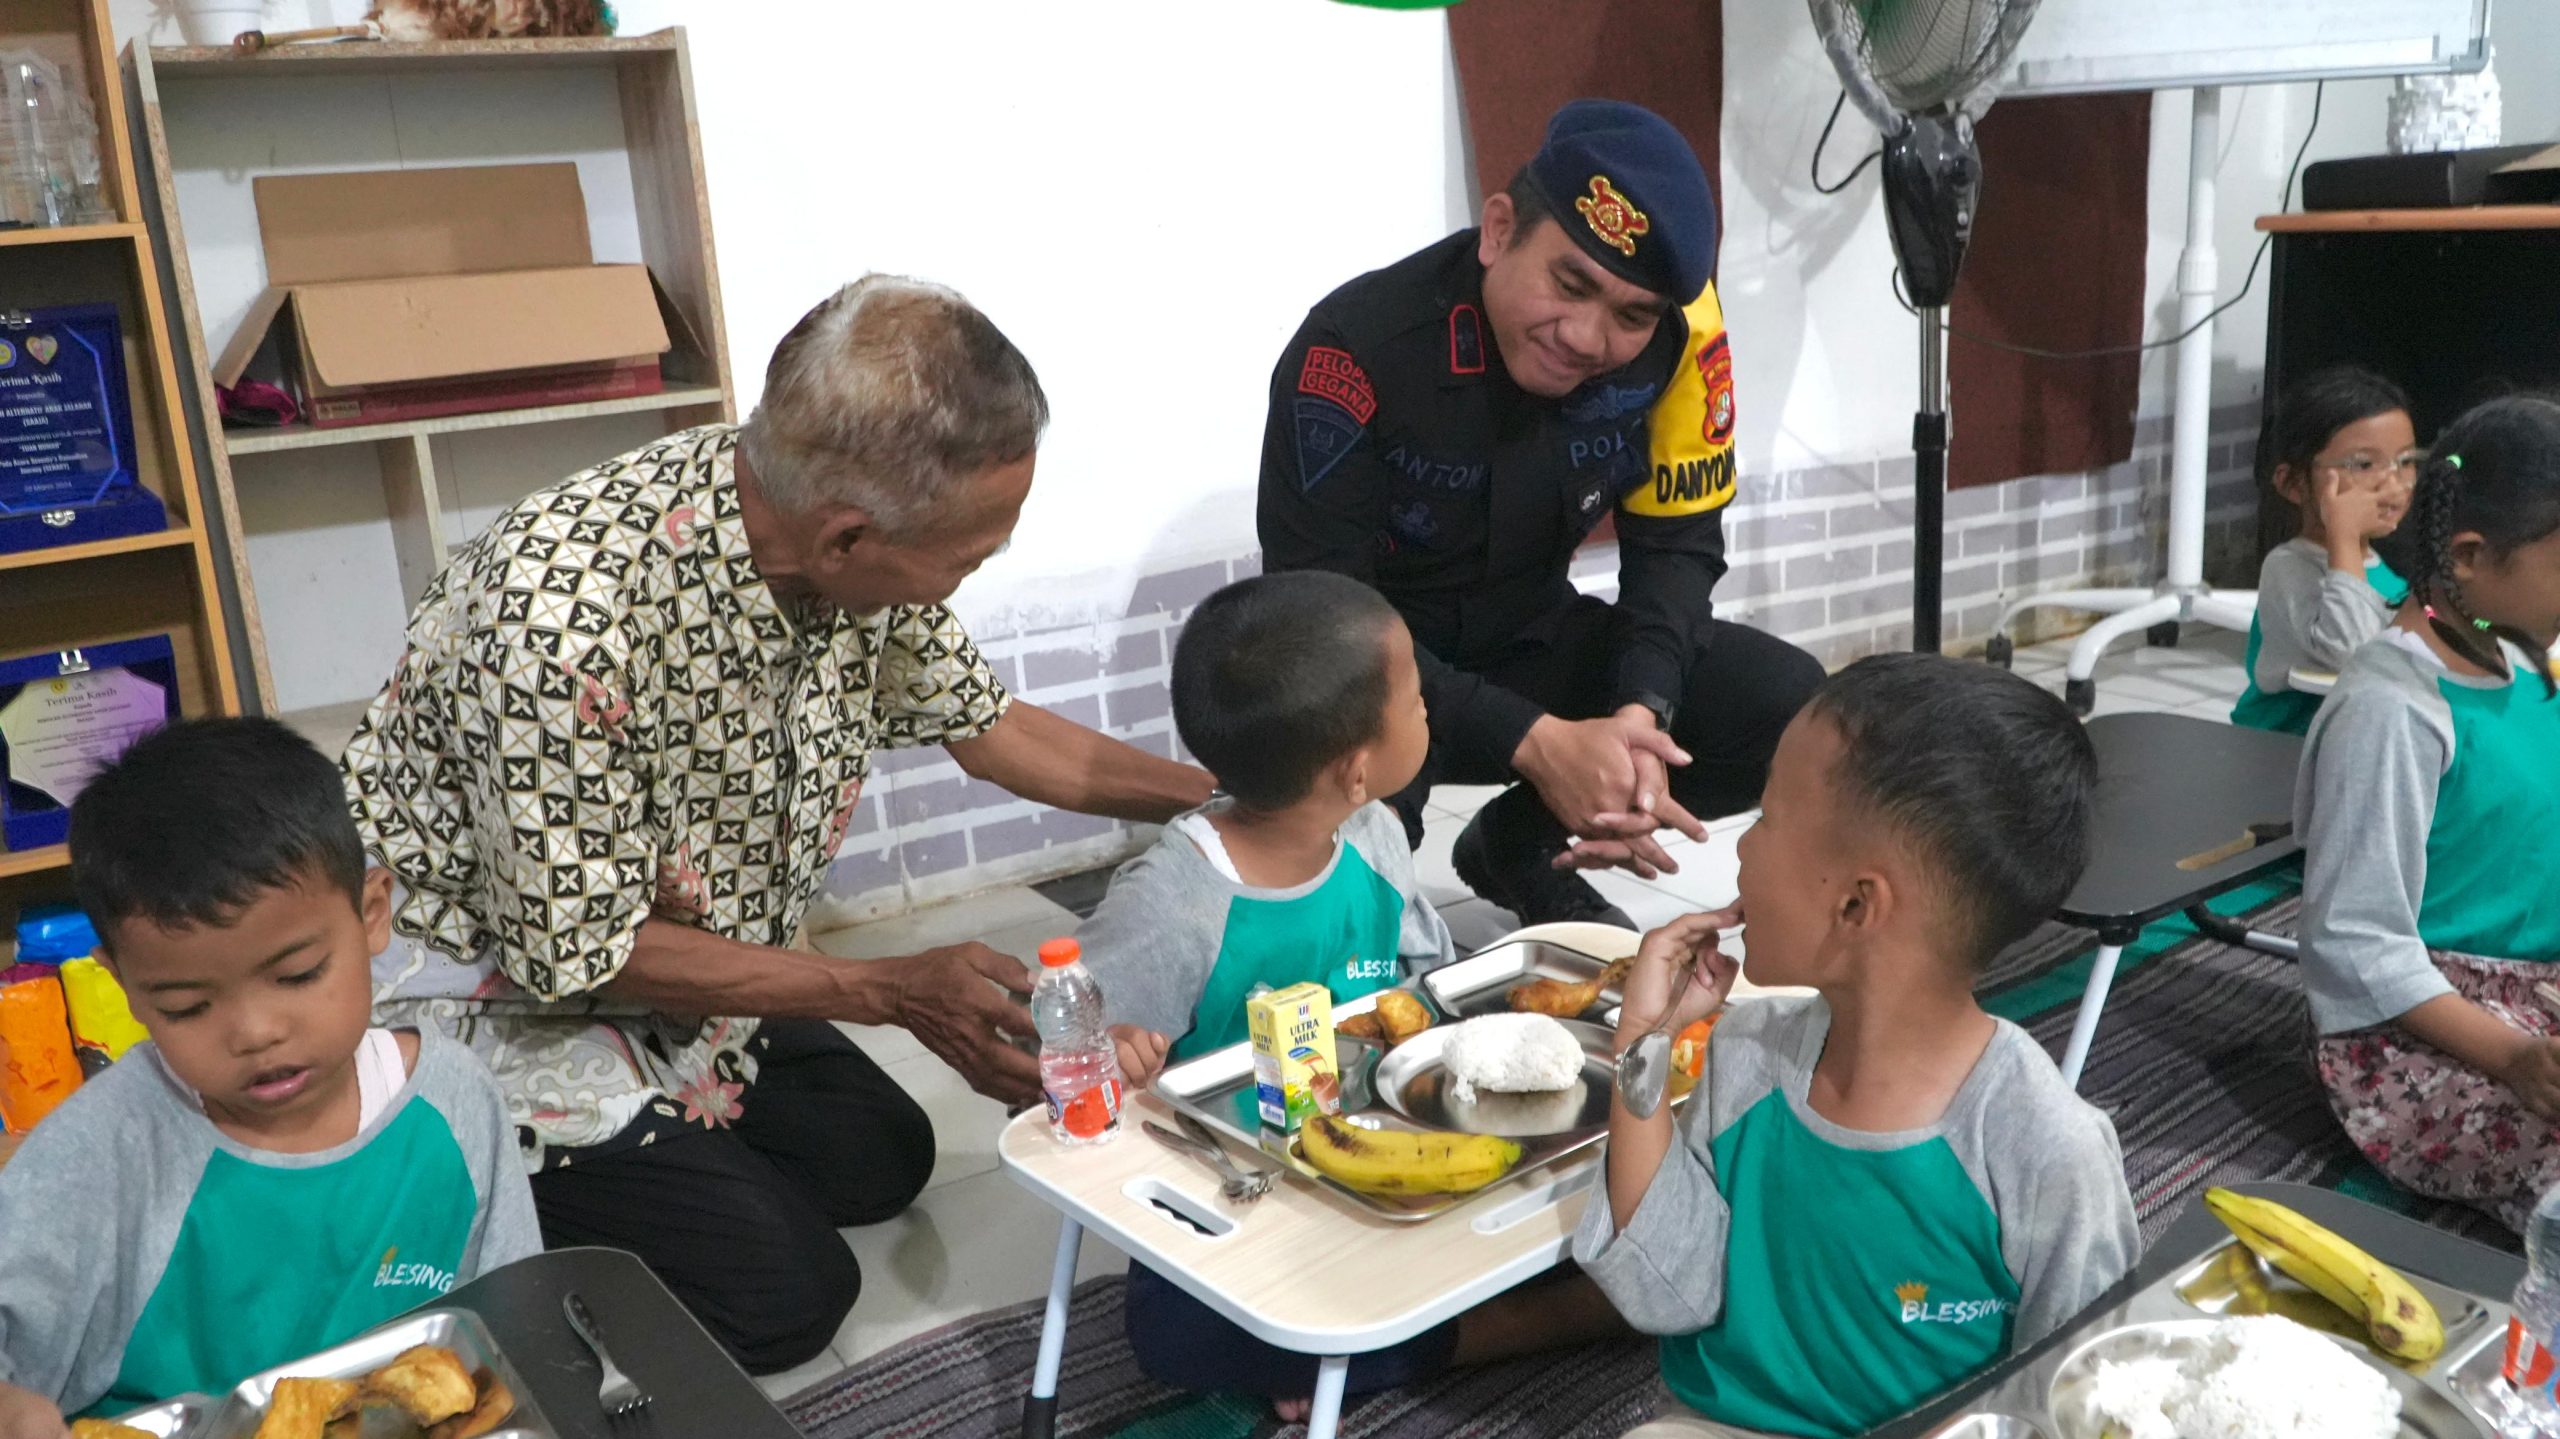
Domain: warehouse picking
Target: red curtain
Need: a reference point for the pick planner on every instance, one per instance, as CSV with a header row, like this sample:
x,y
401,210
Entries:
x,y
2056,264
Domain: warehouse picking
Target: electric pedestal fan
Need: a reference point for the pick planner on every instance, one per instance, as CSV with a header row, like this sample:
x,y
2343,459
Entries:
x,y
1922,71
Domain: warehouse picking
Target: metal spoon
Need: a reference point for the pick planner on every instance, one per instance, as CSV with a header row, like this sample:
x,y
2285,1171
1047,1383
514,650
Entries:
x,y
1235,1185
1644,1069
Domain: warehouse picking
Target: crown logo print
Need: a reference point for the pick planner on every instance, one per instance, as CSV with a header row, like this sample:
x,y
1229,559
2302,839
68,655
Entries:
x,y
1911,1293
1612,216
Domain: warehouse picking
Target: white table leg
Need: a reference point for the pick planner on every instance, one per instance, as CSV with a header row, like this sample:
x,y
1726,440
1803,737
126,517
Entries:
x,y
1040,1411
2102,975
1326,1416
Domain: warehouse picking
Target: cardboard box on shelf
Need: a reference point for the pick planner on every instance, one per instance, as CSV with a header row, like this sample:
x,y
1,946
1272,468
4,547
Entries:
x,y
409,294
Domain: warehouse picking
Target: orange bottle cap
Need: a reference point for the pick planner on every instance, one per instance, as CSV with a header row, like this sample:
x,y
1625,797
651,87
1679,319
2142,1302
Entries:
x,y
1059,953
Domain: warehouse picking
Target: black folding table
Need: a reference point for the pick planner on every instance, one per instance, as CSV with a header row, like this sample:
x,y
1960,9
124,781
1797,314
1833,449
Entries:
x,y
2187,809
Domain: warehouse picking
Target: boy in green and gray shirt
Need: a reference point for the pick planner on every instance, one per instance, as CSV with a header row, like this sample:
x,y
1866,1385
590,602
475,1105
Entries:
x,y
1882,1189
268,1176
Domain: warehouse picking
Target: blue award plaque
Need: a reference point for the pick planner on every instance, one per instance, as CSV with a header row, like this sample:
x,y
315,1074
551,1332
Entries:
x,y
66,432
65,716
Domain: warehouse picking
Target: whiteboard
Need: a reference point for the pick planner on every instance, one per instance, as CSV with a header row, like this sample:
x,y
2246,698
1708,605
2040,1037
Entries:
x,y
2076,46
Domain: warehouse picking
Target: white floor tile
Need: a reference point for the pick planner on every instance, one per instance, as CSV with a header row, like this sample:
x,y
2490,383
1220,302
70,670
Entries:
x,y
965,1122
1432,868
2162,688
963,1249
1475,923
1009,921
976,917
1709,870
1648,905
1463,800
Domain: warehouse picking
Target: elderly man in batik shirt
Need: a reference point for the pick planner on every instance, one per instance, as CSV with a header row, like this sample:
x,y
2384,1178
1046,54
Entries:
x,y
620,753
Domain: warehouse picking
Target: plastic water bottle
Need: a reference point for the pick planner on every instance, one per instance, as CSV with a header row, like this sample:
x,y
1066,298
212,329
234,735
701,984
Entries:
x,y
2531,1409
49,171
1079,1065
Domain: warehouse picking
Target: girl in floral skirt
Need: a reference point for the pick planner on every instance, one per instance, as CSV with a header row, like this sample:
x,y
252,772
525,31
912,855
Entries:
x,y
2430,807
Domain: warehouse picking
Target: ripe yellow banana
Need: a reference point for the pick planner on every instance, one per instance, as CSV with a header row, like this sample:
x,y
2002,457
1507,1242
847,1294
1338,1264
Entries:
x,y
1387,1161
2400,1320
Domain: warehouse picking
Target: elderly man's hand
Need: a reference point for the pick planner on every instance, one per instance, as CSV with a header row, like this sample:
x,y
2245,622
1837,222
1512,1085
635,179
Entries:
x,y
956,1001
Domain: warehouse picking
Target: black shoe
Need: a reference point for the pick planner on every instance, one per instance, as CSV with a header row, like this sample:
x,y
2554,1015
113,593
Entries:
x,y
1521,878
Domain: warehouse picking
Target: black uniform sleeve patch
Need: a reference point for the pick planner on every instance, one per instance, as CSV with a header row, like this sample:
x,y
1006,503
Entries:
x,y
1335,401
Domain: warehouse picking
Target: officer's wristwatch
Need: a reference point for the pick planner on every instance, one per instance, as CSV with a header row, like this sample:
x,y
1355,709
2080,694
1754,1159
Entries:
x,y
1662,708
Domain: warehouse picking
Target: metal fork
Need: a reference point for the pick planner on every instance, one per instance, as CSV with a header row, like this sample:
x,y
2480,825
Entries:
x,y
617,1395
1235,1185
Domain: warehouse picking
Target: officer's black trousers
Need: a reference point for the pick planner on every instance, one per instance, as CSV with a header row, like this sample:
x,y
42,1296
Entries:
x,y
1742,689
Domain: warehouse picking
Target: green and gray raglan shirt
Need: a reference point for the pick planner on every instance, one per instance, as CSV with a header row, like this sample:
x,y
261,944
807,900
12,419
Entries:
x,y
2426,806
144,1253
1815,1280
1178,945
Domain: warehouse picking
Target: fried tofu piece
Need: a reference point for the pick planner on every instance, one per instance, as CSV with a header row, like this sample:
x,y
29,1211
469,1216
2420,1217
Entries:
x,y
427,1383
492,1410
1403,1014
101,1429
302,1408
1397,1017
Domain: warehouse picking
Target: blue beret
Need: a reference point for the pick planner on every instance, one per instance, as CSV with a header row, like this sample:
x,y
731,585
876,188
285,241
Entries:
x,y
1629,190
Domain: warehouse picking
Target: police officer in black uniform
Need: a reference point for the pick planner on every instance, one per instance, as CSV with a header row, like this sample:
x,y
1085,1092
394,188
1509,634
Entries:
x,y
1451,428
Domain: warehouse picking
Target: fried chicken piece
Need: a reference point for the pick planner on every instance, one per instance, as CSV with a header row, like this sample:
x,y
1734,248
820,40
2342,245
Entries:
x,y
302,1408
101,1429
492,1410
428,1383
1362,1026
1566,1001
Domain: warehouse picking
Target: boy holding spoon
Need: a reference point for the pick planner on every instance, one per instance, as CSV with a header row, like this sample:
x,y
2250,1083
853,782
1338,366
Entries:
x,y
1882,1188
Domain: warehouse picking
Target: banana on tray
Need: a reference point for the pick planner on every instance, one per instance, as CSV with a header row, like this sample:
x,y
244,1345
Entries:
x,y
1389,1161
2399,1320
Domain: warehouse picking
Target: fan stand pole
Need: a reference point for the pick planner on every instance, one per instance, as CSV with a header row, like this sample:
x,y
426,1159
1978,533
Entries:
x,y
2182,594
1929,482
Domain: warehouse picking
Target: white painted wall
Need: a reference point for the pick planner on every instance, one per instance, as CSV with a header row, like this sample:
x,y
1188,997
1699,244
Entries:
x,y
1147,195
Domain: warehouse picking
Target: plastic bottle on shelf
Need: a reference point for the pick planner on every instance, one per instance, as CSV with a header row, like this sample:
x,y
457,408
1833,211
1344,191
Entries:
x,y
2531,1410
1079,1065
49,165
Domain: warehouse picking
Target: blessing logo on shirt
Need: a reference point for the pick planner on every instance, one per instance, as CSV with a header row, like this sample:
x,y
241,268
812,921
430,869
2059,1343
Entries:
x,y
392,1274
1916,1308
1358,968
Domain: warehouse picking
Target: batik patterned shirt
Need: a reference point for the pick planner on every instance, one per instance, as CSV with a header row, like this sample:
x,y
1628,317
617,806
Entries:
x,y
605,715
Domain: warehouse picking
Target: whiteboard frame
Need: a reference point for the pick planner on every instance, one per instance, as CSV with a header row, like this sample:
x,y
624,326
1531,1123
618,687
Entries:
x,y
2174,71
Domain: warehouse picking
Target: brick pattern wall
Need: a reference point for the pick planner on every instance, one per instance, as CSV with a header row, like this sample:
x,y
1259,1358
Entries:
x,y
1820,556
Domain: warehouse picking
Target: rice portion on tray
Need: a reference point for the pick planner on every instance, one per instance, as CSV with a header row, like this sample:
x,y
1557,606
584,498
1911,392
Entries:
x,y
2261,1377
1510,1054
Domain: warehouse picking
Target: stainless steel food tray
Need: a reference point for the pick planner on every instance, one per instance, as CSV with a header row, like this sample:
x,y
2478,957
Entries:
x,y
236,1416
1481,983
169,1419
2446,1398
1217,1088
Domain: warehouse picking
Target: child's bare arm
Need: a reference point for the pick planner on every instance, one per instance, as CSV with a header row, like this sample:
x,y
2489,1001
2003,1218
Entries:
x,y
2525,1063
25,1414
1142,1054
1652,988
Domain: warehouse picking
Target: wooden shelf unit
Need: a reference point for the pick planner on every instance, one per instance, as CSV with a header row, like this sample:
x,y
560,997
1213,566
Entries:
x,y
653,89
167,582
